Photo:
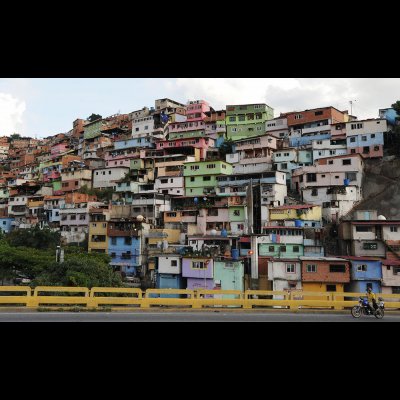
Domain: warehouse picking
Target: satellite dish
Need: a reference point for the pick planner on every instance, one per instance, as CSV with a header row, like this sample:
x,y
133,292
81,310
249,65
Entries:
x,y
381,218
213,232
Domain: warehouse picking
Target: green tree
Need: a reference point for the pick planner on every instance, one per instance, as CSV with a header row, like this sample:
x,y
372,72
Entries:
x,y
15,136
34,237
94,117
85,270
396,107
226,148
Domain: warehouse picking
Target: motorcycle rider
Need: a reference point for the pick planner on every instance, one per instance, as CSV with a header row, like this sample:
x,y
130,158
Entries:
x,y
371,300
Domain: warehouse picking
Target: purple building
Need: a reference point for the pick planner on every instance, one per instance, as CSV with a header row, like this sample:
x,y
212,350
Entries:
x,y
199,272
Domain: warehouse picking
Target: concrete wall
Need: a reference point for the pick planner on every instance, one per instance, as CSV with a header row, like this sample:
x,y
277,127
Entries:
x,y
169,265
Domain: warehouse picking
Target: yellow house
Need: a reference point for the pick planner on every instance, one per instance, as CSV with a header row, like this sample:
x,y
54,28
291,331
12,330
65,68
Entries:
x,y
171,235
98,239
304,212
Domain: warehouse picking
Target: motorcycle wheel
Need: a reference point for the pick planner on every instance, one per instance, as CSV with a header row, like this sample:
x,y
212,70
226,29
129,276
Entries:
x,y
356,312
379,313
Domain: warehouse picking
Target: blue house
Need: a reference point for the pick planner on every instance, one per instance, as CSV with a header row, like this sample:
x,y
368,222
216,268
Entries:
x,y
364,272
169,281
5,224
307,140
125,253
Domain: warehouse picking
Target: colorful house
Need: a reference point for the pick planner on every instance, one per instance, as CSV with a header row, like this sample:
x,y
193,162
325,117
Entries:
x,y
246,120
324,274
201,177
199,272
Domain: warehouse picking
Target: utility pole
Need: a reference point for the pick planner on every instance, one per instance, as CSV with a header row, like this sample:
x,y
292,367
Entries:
x,y
351,106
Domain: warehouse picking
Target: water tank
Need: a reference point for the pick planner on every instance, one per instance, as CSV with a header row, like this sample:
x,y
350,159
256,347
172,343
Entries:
x,y
298,223
224,233
346,182
235,254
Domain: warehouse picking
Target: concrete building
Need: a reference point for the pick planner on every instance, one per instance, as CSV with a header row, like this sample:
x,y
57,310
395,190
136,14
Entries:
x,y
246,120
201,177
366,137
324,274
285,275
365,272
108,177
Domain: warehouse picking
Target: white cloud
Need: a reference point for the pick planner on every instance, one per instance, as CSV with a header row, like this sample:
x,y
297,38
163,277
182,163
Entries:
x,y
11,111
289,94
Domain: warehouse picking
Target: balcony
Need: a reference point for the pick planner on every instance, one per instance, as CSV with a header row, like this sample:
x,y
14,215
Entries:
x,y
36,203
255,160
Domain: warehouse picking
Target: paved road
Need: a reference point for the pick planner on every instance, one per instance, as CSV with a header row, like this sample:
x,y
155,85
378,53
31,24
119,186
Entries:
x,y
186,317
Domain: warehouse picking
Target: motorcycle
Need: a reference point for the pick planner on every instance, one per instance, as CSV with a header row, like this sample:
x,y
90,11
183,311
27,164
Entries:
x,y
363,308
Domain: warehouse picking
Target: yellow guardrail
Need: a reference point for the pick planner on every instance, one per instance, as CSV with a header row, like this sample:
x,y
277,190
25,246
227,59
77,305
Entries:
x,y
96,297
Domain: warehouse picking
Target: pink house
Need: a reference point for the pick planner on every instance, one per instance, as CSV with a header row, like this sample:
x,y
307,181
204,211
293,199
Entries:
x,y
59,149
202,143
196,110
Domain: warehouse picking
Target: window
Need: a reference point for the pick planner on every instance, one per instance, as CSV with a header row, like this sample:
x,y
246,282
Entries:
x,y
296,249
314,192
318,113
363,138
236,213
206,178
164,180
198,265
323,176
331,288
372,135
356,126
298,116
370,246
128,241
396,289
311,177
284,166
347,161
72,217
396,270
114,240
361,268
271,249
82,217
109,172
337,268
290,268
351,176
211,166
232,119
113,255
174,263
194,167
330,162
393,229
283,249
146,127
376,148
242,117
192,179
352,139
311,268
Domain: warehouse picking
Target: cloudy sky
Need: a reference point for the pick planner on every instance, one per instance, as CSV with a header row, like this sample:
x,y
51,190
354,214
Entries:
x,y
43,107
